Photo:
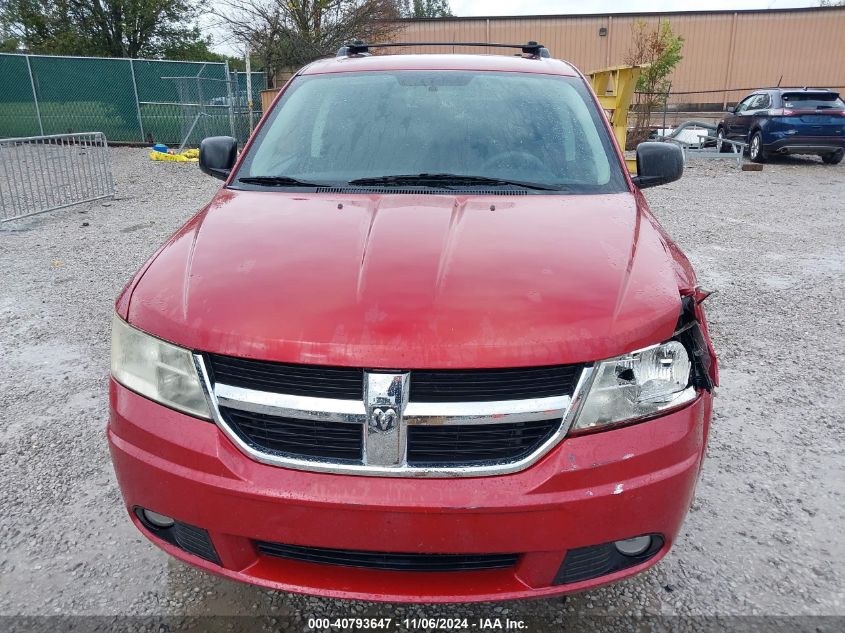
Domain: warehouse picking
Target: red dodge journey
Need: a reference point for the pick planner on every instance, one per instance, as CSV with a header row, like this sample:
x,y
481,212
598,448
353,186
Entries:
x,y
427,343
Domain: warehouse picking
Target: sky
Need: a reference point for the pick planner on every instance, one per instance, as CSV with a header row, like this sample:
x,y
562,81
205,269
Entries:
x,y
551,7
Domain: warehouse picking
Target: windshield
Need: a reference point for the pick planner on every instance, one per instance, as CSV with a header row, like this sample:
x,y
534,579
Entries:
x,y
495,126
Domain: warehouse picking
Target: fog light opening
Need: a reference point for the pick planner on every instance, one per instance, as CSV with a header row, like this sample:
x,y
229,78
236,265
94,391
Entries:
x,y
633,546
157,520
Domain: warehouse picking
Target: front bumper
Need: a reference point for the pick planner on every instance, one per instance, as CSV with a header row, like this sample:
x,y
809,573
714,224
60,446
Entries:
x,y
588,490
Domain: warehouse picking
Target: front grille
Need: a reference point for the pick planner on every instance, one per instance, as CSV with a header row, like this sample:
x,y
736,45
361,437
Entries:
x,y
466,385
475,444
427,385
389,561
456,419
308,439
298,380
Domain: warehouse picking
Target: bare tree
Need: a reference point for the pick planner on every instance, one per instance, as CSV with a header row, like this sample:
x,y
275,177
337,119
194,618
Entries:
x,y
285,34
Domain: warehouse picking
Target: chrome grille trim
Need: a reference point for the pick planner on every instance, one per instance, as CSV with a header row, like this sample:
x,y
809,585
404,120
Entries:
x,y
289,406
488,412
413,413
423,413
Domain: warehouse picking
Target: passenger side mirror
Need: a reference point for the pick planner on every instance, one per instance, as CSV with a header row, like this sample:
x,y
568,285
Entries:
x,y
218,155
658,163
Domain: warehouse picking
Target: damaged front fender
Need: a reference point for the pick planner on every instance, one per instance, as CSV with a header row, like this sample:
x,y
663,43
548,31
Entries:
x,y
692,332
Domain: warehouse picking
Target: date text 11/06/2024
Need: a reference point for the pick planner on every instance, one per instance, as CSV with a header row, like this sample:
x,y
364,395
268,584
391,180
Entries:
x,y
454,624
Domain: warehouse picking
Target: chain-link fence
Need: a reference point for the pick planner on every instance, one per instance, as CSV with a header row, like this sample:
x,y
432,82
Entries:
x,y
130,100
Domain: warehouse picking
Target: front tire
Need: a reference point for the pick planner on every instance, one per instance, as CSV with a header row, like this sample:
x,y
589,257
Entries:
x,y
835,158
755,148
721,146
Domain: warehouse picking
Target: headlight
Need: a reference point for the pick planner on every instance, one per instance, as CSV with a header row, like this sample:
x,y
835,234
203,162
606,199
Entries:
x,y
637,385
158,370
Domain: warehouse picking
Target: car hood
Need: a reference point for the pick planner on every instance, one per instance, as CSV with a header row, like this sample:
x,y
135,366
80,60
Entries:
x,y
412,281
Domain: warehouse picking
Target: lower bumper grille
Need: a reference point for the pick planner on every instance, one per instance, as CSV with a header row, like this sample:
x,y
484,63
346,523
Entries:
x,y
585,563
472,444
193,540
388,561
309,439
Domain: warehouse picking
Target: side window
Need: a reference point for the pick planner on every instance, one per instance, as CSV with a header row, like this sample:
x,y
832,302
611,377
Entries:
x,y
766,102
758,102
761,102
743,105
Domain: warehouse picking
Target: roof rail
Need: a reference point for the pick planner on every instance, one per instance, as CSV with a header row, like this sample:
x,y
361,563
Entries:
x,y
797,88
360,48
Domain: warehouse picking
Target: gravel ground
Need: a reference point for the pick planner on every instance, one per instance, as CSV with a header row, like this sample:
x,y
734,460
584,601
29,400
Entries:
x,y
763,537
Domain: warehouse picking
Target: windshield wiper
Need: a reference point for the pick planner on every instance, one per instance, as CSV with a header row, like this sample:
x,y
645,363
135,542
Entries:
x,y
279,181
450,179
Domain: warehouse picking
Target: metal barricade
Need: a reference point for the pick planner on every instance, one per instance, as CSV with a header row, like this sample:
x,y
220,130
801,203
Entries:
x,y
45,173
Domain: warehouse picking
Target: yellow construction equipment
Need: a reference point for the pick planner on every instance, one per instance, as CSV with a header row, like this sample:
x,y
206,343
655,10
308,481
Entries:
x,y
615,87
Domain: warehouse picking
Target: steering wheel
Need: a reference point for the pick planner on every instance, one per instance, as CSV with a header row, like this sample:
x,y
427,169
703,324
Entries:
x,y
518,162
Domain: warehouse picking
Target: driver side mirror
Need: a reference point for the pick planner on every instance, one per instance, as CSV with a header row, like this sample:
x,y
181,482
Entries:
x,y
731,109
658,163
218,155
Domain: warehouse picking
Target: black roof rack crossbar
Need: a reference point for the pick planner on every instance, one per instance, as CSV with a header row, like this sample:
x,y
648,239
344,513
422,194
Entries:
x,y
358,47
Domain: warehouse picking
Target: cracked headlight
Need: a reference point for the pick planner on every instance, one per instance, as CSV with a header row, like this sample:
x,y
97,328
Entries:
x,y
156,369
637,385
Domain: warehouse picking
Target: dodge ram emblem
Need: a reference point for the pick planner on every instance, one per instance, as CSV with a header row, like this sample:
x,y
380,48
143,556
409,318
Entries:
x,y
383,420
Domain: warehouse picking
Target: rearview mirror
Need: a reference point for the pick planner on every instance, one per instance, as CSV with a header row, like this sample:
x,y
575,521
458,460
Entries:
x,y
658,163
218,155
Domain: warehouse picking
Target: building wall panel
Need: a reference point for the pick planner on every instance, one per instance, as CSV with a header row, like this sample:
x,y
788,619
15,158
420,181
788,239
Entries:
x,y
725,53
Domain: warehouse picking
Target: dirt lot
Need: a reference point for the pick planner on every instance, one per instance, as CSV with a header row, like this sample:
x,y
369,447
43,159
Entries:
x,y
765,535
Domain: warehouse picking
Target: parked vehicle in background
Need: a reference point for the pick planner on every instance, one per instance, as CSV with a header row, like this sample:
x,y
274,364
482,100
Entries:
x,y
427,343
240,100
787,121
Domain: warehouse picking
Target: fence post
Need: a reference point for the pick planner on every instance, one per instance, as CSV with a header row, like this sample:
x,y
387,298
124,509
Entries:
x,y
248,88
137,102
229,97
34,95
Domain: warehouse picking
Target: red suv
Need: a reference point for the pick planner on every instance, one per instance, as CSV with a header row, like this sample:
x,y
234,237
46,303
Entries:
x,y
427,343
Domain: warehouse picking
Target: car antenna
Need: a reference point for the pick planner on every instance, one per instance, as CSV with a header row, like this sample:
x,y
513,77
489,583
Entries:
x,y
779,80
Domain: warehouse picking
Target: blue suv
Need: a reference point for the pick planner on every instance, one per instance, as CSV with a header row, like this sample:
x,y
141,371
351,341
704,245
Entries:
x,y
787,121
